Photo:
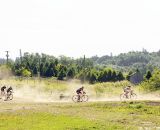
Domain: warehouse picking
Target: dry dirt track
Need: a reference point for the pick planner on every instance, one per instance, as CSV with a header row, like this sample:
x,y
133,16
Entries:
x,y
50,99
21,104
30,104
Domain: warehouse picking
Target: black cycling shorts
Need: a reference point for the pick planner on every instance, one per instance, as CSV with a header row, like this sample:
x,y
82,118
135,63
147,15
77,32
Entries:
x,y
78,92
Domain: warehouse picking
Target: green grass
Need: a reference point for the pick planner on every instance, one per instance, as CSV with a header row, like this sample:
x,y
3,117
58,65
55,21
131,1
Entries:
x,y
30,120
79,116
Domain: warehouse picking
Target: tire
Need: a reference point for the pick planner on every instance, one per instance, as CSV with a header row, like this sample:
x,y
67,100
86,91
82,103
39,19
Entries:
x,y
9,97
84,98
133,96
1,96
75,98
122,97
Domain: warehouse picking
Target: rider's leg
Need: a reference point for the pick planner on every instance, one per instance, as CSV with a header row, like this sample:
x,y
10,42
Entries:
x,y
81,96
6,96
127,94
78,97
1,95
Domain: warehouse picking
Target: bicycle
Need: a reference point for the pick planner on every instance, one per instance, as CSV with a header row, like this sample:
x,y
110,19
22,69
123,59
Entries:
x,y
83,98
9,96
131,96
2,95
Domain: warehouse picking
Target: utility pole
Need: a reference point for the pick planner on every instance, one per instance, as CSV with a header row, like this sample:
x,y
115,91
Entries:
x,y
84,61
20,52
84,67
39,64
7,55
111,55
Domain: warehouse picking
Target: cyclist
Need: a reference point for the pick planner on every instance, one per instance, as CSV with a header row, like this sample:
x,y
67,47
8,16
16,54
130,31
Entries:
x,y
3,90
127,90
80,92
9,92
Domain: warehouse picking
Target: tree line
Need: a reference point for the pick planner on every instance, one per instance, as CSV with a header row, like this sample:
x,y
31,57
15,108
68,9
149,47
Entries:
x,y
43,65
94,69
143,60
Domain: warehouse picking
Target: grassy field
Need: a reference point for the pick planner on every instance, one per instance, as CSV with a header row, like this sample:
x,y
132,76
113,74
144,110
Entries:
x,y
22,114
80,116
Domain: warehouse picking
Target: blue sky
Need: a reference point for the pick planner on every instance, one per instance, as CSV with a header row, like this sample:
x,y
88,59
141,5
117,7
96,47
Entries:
x,y
77,27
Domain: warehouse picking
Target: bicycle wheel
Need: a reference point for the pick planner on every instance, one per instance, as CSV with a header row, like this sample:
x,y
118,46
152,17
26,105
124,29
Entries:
x,y
75,98
84,98
133,96
122,97
10,97
2,95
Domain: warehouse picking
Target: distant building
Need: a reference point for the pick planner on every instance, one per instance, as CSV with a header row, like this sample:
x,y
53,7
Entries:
x,y
136,78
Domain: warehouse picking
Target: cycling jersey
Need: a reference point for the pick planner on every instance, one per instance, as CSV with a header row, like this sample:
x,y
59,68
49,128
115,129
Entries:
x,y
79,90
9,89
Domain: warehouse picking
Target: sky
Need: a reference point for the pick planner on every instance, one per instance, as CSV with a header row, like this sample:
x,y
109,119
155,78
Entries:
x,y
77,27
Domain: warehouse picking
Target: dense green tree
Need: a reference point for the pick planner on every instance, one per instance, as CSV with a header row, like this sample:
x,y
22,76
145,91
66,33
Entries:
x,y
114,76
93,77
35,70
109,75
129,75
49,66
148,75
71,73
61,72
120,76
26,73
153,83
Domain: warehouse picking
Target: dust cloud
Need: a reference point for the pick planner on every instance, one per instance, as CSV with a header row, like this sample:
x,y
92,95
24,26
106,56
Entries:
x,y
5,72
26,93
